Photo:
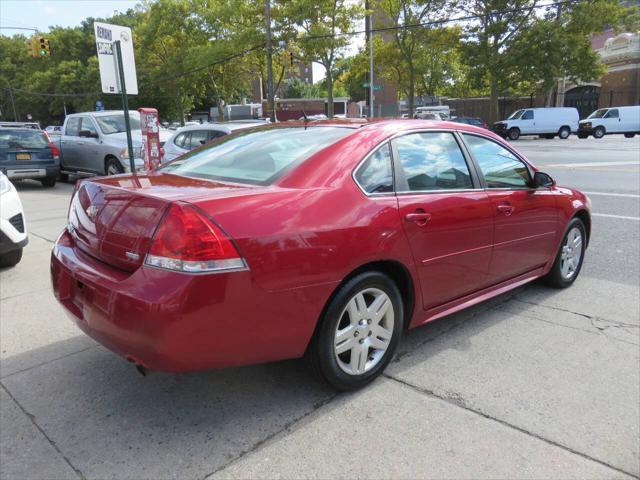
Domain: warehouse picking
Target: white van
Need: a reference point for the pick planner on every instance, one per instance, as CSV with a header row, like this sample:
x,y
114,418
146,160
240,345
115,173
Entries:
x,y
546,122
611,120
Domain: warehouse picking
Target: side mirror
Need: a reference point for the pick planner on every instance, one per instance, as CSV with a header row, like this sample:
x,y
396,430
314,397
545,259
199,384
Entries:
x,y
87,134
541,179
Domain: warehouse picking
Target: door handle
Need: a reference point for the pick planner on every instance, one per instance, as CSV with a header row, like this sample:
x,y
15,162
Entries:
x,y
506,209
418,217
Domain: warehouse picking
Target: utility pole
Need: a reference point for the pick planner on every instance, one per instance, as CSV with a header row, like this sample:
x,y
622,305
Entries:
x,y
371,110
271,101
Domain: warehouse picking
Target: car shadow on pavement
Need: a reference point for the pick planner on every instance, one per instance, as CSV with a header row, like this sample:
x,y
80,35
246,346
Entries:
x,y
111,422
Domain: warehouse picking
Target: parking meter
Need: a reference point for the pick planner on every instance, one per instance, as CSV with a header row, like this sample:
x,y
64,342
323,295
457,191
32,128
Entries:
x,y
151,151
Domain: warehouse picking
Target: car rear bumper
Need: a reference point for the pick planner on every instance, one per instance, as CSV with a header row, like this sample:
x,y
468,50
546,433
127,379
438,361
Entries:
x,y
17,171
7,245
172,321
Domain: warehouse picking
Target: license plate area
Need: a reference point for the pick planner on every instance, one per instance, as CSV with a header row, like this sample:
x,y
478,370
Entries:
x,y
23,156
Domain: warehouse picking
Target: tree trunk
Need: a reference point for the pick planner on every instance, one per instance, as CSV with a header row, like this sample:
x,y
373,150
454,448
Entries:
x,y
412,88
329,93
181,110
494,112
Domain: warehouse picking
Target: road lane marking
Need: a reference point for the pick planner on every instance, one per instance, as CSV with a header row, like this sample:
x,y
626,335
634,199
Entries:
x,y
622,217
623,195
593,164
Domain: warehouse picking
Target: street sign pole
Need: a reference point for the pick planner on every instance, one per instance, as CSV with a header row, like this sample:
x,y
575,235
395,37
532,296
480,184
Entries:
x,y
125,106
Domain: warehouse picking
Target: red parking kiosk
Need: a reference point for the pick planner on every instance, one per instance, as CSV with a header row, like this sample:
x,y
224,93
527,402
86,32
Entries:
x,y
151,152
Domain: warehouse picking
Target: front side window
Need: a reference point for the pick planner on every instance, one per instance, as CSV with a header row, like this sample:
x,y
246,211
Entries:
x,y
87,124
257,156
528,115
73,126
500,167
198,138
613,113
374,175
432,161
515,115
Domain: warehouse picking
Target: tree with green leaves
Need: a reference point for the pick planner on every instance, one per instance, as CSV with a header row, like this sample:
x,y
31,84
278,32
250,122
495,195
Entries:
x,y
319,26
408,36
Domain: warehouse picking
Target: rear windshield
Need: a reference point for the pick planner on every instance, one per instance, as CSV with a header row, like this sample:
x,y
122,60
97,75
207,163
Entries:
x,y
22,139
257,156
115,123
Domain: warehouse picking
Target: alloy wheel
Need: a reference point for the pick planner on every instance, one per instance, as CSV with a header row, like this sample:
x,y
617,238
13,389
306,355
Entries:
x,y
571,253
364,331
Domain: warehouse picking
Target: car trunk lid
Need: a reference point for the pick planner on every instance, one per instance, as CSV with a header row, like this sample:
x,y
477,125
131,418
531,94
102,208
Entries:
x,y
113,219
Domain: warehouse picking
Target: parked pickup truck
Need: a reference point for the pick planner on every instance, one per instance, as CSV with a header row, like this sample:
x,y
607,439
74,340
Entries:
x,y
96,143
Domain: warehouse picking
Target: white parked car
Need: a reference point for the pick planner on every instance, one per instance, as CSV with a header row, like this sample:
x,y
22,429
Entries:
x,y
194,136
611,120
546,122
13,227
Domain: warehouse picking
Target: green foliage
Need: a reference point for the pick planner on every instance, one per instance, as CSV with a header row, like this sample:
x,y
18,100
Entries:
x,y
321,23
297,88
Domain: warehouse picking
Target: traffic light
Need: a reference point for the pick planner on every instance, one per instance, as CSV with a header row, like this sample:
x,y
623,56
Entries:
x,y
39,47
43,47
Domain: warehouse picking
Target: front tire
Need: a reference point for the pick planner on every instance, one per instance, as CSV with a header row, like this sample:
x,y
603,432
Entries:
x,y
359,332
629,135
598,132
11,258
113,167
568,262
514,134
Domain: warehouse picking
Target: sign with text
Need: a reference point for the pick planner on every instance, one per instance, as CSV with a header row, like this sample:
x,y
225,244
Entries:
x,y
106,34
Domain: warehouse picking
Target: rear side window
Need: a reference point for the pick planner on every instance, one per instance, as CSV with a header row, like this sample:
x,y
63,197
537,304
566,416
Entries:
x,y
73,126
374,175
432,161
179,140
11,139
258,156
500,167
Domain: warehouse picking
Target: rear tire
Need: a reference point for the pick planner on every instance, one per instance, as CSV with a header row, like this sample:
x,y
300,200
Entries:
x,y
353,345
570,256
11,258
112,166
598,132
514,134
49,182
629,135
564,133
64,177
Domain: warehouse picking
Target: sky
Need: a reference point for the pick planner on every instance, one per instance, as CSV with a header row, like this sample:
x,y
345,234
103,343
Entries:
x,y
41,14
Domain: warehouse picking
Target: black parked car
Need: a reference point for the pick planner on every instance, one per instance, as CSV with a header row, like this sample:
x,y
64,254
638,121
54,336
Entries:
x,y
28,153
475,121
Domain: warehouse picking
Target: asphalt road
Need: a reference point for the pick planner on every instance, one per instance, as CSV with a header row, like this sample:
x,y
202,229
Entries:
x,y
537,383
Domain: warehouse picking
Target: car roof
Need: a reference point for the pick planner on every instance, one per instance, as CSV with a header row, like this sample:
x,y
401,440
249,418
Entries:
x,y
204,126
20,129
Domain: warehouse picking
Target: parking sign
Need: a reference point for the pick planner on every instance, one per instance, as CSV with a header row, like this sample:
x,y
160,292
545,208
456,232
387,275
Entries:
x,y
106,34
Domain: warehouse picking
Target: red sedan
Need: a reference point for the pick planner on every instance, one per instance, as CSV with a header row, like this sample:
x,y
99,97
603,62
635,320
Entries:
x,y
327,239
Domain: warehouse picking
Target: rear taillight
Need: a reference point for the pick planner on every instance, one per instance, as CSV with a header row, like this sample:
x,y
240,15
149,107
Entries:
x,y
54,151
187,241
